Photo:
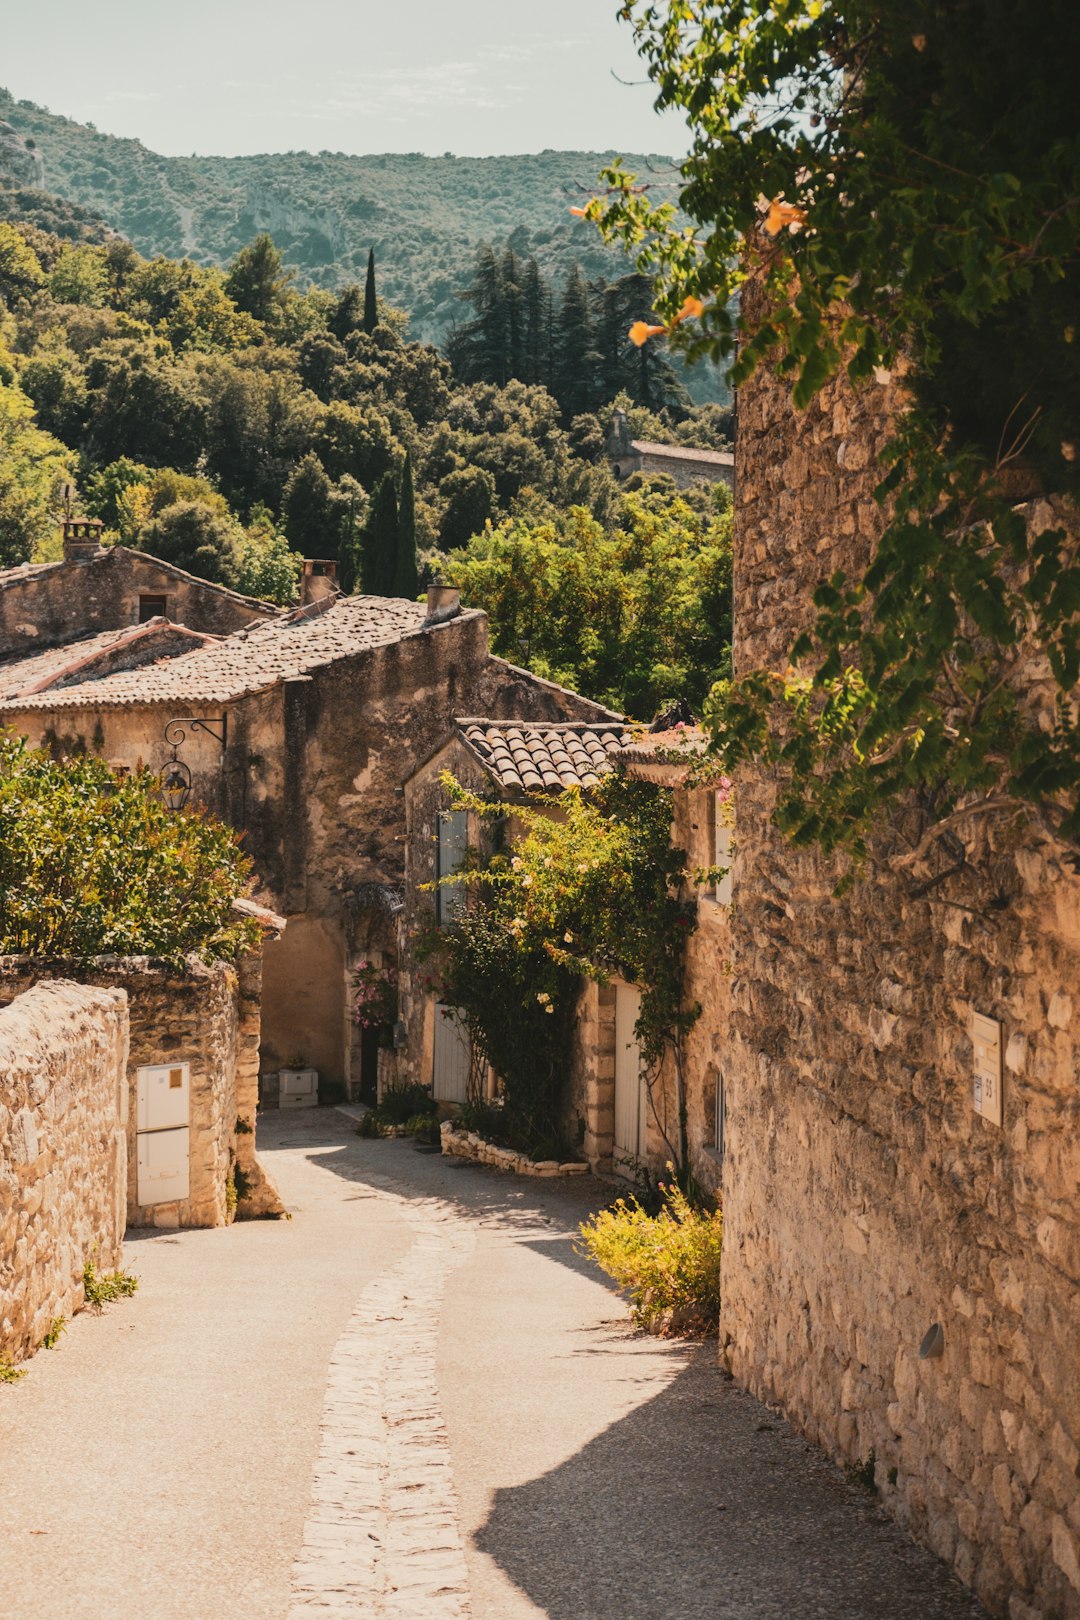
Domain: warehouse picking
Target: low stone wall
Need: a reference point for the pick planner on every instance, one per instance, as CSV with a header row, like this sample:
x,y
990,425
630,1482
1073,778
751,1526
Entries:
x,y
63,1155
467,1145
205,1015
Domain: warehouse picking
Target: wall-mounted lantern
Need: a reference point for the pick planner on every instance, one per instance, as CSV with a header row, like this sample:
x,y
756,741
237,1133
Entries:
x,y
176,774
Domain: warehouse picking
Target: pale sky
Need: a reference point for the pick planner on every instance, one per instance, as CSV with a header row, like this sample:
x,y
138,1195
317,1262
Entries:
x,y
473,77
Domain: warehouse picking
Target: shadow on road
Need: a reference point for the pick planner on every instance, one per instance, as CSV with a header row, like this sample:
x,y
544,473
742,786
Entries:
x,y
700,1504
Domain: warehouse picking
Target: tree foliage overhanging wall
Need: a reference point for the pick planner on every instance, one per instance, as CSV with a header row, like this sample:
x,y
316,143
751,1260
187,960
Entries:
x,y
909,177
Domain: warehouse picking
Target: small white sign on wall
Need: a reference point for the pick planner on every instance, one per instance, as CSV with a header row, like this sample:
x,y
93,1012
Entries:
x,y
986,1040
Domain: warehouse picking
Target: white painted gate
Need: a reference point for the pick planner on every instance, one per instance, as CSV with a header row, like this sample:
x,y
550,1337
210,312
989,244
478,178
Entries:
x,y
631,1097
452,1055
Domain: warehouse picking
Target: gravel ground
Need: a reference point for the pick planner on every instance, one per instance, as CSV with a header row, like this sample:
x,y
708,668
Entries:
x,y
418,1375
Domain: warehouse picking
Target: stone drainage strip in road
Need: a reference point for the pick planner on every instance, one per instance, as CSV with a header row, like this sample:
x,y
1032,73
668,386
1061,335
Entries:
x,y
382,1535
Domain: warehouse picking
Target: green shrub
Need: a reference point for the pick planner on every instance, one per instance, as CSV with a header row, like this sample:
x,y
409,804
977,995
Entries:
x,y
371,1126
10,1374
103,1290
424,1127
57,1327
91,863
399,1104
666,1263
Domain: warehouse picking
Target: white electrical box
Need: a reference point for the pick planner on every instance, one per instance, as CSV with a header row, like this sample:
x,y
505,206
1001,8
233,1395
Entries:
x,y
298,1088
986,1040
162,1097
162,1161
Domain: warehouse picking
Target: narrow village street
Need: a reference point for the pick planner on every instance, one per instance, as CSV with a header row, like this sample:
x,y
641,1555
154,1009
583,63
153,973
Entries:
x,y
414,1399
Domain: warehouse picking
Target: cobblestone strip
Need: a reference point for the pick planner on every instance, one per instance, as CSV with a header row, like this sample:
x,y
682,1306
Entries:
x,y
382,1538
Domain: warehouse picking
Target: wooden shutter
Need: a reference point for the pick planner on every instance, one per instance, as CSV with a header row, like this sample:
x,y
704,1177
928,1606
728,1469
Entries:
x,y
453,841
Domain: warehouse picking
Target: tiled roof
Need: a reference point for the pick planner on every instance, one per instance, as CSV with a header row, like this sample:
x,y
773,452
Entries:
x,y
249,660
540,756
56,666
680,452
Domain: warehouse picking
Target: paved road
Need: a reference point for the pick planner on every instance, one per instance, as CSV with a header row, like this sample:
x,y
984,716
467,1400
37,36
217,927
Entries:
x,y
414,1400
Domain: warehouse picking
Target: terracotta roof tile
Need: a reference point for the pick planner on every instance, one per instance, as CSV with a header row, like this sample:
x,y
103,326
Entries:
x,y
544,756
252,659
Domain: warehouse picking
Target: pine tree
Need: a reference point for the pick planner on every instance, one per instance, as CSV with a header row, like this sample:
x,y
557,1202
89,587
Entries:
x,y
575,383
536,323
380,542
406,575
349,312
514,306
371,306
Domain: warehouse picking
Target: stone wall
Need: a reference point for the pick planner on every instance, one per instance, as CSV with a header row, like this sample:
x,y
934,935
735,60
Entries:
x,y
52,602
864,1198
198,1015
63,1159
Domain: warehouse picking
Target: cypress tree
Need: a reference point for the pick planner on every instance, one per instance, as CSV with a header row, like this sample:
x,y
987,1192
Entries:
x,y
379,554
406,575
371,308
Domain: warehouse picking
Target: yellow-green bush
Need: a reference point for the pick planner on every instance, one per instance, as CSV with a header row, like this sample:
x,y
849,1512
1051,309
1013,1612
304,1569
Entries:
x,y
668,1264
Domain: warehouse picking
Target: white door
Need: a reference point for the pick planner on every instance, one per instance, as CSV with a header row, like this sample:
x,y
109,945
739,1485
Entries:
x,y
631,1098
450,1069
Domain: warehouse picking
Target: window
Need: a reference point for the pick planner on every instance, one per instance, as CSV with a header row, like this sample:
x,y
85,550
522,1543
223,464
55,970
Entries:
x,y
452,841
723,851
153,607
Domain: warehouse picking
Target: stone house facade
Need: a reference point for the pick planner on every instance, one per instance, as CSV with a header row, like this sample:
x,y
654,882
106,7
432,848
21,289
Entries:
x,y
511,762
94,590
702,827
686,465
299,728
901,1273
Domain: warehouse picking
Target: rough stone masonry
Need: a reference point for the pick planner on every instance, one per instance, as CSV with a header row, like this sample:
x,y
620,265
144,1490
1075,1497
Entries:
x,y
63,1152
864,1199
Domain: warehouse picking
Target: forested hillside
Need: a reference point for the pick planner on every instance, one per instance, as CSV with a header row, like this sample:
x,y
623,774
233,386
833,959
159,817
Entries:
x,y
233,421
424,216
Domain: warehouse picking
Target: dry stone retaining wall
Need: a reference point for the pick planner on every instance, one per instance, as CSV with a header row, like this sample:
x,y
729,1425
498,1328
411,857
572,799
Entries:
x,y
864,1199
63,1156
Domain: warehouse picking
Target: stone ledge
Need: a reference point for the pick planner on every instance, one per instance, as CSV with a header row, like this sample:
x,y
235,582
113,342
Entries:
x,y
467,1145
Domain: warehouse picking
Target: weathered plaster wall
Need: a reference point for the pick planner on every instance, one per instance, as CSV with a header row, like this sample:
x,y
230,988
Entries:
x,y
864,1199
53,603
194,1016
352,734
63,1158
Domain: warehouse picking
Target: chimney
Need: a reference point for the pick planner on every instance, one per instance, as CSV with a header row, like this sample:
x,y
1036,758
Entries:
x,y
443,602
319,580
82,539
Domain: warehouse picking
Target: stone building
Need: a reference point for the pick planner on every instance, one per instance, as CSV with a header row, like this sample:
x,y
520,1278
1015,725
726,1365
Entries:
x,y
95,589
685,465
634,1118
298,727
901,1268
511,762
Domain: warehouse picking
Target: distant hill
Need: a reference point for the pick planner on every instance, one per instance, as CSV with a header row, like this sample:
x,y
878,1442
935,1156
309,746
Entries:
x,y
423,216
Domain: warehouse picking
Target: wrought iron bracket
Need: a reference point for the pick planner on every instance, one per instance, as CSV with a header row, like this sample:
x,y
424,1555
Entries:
x,y
216,727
